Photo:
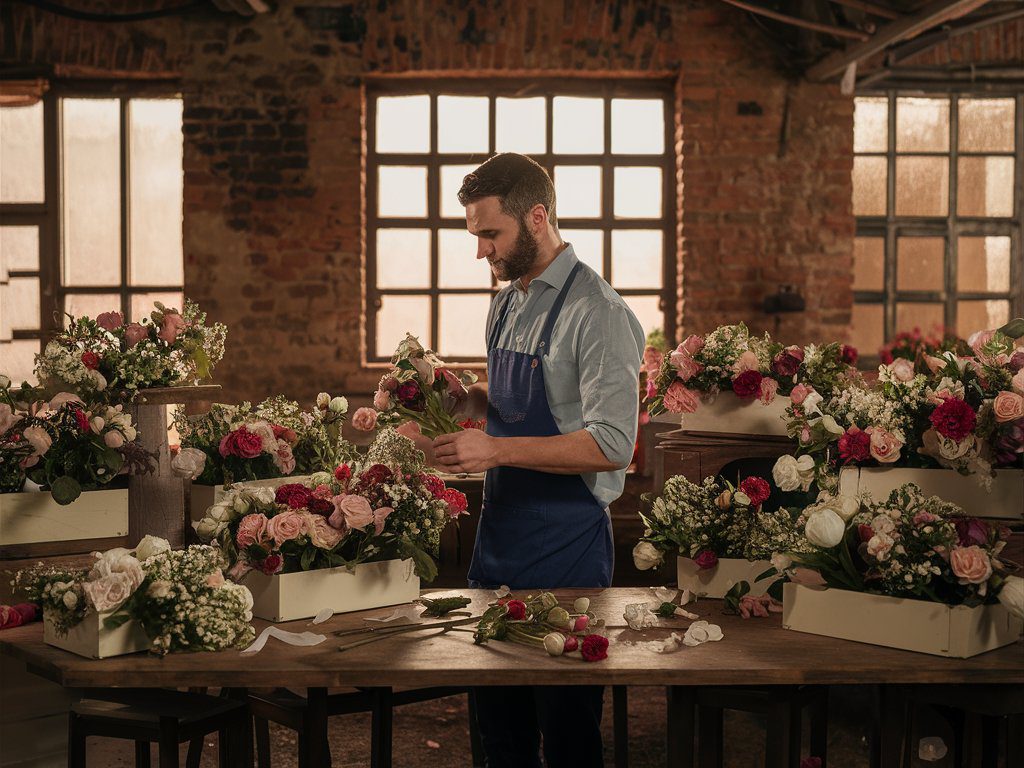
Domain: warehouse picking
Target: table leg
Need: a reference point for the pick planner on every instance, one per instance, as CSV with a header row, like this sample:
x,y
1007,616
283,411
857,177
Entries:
x,y
313,749
819,725
782,741
679,726
710,746
889,719
620,725
245,757
168,742
380,737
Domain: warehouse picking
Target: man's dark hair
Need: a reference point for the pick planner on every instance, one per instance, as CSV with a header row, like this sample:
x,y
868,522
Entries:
x,y
518,182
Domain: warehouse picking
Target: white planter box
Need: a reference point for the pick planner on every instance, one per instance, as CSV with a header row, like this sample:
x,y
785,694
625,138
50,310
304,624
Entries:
x,y
290,596
205,496
1005,500
91,639
32,516
729,414
715,582
911,625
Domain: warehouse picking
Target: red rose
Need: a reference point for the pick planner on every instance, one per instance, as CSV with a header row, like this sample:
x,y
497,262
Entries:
x,y
284,433
342,473
376,474
787,362
757,489
271,564
747,385
854,445
849,355
594,648
241,443
456,501
320,506
81,420
294,495
91,360
29,611
435,485
515,609
410,396
706,560
954,419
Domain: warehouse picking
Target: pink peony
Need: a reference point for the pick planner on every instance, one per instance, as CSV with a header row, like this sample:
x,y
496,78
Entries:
x,y
902,369
351,511
1008,406
171,325
800,393
134,333
679,399
746,362
692,344
747,385
768,389
884,446
286,526
251,530
365,419
971,565
382,400
110,321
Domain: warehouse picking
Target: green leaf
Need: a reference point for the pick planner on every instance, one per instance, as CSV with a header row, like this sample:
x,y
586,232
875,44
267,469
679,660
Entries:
x,y
65,489
115,621
425,566
1014,329
775,590
202,361
113,460
770,572
307,558
732,597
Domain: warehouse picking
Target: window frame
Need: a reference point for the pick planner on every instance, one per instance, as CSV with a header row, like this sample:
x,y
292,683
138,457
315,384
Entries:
x,y
494,88
951,227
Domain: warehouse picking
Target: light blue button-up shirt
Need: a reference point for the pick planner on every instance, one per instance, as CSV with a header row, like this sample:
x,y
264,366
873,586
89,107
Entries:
x,y
593,363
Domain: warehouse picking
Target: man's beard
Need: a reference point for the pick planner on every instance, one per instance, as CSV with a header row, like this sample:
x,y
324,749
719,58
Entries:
x,y
520,259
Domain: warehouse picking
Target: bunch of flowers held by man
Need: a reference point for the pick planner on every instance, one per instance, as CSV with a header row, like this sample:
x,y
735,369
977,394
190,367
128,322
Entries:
x,y
730,359
180,598
908,545
110,358
540,621
383,507
276,438
712,520
64,445
420,388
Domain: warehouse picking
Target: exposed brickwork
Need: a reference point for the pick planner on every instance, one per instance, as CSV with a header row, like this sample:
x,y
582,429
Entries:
x,y
273,138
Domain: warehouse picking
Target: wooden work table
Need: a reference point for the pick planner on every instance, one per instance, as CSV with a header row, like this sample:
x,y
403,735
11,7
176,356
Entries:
x,y
753,652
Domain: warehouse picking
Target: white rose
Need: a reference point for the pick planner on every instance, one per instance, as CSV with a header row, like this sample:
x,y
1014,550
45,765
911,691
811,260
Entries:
x,y
109,592
646,556
791,473
554,643
240,504
70,600
811,403
320,478
879,546
189,463
781,561
338,405
98,381
825,528
831,426
221,512
1012,596
263,495
207,529
158,590
151,546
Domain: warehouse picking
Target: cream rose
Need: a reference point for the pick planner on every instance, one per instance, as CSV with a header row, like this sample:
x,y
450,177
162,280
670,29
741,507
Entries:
x,y
1008,406
322,534
970,564
1012,595
646,556
791,473
825,528
902,369
884,446
151,546
109,592
189,463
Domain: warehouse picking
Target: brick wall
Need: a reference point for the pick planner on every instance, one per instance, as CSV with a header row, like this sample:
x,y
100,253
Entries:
x,y
273,134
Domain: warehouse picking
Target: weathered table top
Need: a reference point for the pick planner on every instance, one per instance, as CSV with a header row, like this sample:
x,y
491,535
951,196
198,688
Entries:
x,y
753,652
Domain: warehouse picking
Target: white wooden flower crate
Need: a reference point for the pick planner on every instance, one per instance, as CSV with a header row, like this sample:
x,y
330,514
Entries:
x,y
290,596
730,414
205,496
91,639
32,516
1005,499
716,582
911,625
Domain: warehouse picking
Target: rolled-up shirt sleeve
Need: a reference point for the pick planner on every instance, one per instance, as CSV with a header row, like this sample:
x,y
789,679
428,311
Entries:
x,y
610,348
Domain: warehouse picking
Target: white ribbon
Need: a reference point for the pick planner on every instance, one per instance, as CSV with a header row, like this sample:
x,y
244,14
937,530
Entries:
x,y
290,638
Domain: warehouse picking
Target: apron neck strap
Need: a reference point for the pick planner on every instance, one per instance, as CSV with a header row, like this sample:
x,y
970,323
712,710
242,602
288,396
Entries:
x,y
556,308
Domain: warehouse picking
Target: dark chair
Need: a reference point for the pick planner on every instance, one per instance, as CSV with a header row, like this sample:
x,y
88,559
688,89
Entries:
x,y
162,716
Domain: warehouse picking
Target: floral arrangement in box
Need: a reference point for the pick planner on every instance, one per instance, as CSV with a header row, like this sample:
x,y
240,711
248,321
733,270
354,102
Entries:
x,y
64,445
276,438
180,598
106,355
541,622
956,412
908,545
421,388
754,368
913,345
712,521
383,507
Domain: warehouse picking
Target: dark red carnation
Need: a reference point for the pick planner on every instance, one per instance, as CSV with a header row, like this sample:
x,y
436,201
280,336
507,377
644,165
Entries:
x,y
747,385
854,445
342,473
81,420
515,609
954,419
706,560
757,489
91,360
787,362
376,474
409,395
295,495
456,501
849,355
322,507
594,648
271,564
435,485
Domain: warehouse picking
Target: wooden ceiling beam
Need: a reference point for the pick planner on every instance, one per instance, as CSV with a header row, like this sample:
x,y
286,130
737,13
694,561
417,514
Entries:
x,y
828,29
873,8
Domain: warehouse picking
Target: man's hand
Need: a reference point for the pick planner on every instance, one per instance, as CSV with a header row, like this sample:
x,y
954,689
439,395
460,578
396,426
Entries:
x,y
471,450
411,430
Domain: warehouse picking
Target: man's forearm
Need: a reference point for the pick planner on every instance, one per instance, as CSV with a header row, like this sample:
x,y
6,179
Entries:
x,y
572,454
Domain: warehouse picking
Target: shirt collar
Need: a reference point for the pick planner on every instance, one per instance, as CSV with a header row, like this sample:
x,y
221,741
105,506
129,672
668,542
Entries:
x,y
557,271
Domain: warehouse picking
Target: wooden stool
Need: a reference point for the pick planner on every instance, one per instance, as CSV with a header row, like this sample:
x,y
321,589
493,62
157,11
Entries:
x,y
783,706
166,717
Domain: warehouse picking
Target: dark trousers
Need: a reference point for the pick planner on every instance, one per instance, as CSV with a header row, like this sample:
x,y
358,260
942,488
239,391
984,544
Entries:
x,y
512,720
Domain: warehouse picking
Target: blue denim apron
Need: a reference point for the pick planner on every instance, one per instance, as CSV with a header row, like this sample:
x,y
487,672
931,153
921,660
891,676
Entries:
x,y
537,529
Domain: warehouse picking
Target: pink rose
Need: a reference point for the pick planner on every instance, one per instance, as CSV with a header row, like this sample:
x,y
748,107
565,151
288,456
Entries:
x,y
110,321
902,369
979,339
171,325
652,389
693,344
746,362
970,564
286,526
352,511
1008,406
322,534
382,400
679,399
1018,381
283,458
38,438
885,447
364,419
686,367
935,364
799,393
134,333
653,358
113,439
251,530
768,389
379,516
924,518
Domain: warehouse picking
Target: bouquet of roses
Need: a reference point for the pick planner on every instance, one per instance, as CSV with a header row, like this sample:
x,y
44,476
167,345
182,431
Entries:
x,y
713,520
421,388
180,598
64,445
906,546
275,438
914,345
106,355
541,622
754,368
384,507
